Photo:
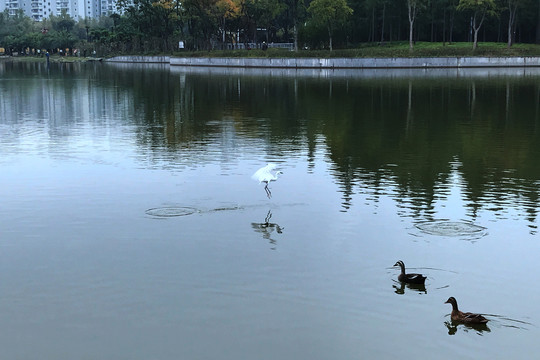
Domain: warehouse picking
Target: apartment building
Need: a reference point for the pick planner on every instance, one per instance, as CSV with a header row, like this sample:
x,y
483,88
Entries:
x,y
77,9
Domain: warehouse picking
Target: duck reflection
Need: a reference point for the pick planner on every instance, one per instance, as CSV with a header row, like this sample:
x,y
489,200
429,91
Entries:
x,y
399,288
267,229
453,326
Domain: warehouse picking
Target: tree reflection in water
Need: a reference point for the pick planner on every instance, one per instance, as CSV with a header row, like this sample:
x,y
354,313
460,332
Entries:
x,y
413,136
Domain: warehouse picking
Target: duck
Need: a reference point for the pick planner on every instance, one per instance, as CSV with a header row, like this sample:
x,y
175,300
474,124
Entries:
x,y
464,317
409,278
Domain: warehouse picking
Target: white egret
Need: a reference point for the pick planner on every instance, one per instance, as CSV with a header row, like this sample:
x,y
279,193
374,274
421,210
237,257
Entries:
x,y
264,175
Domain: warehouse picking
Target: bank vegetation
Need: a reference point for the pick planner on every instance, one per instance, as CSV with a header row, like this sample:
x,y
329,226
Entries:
x,y
269,28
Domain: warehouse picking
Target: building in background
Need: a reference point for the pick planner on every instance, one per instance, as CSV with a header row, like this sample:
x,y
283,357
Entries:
x,y
38,10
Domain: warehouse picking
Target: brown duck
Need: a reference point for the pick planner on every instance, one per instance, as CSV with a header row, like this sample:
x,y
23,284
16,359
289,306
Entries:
x,y
464,317
409,278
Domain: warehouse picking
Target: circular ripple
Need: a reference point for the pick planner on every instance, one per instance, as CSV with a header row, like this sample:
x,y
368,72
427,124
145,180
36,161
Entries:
x,y
170,211
450,228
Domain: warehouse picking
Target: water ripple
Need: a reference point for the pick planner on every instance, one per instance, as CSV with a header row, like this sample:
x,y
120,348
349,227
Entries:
x,y
445,227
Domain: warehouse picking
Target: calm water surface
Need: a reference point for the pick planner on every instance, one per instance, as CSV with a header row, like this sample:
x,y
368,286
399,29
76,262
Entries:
x,y
130,227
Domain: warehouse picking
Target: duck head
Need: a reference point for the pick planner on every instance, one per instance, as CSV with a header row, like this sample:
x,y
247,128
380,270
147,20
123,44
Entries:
x,y
452,300
401,265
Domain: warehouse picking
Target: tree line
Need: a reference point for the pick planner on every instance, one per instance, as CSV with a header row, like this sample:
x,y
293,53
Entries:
x,y
158,26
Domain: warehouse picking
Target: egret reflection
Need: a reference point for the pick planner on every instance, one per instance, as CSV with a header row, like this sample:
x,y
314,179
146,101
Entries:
x,y
268,229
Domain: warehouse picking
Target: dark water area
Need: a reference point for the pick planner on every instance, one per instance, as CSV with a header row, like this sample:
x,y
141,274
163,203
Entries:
x,y
131,228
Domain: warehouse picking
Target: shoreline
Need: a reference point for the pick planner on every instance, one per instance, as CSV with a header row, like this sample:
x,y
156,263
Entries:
x,y
336,63
456,62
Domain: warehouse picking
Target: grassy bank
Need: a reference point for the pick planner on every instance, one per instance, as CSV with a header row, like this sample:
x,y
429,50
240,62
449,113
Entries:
x,y
369,50
388,50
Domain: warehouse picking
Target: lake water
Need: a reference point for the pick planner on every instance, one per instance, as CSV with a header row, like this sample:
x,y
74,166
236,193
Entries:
x,y
130,227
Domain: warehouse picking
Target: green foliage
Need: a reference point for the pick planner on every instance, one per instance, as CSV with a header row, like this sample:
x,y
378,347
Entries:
x,y
330,14
480,9
156,26
264,13
63,40
63,22
413,8
478,5
202,22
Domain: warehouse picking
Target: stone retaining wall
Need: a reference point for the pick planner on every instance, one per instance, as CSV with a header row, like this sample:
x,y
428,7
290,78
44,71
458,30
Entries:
x,y
141,59
338,63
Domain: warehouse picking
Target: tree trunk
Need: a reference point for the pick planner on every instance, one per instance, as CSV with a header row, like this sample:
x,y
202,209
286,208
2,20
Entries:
x,y
411,44
330,36
295,35
451,32
538,25
372,31
509,43
412,15
432,35
382,25
475,32
444,28
475,41
512,10
223,30
476,27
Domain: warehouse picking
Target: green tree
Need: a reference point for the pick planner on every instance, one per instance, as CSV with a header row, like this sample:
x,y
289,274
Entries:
x,y
480,9
226,11
449,7
371,6
260,14
295,12
202,22
151,23
165,13
512,6
266,12
330,14
4,23
14,30
63,39
538,25
63,22
413,7
377,21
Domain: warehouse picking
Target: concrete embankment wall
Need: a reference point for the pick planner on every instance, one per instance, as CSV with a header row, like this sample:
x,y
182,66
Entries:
x,y
141,59
339,63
